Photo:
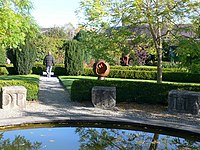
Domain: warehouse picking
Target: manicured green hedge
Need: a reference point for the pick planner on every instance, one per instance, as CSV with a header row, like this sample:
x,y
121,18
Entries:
x,y
31,84
9,68
3,71
38,68
58,69
147,68
149,75
140,92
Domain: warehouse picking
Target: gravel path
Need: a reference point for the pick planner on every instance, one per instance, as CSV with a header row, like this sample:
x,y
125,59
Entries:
x,y
54,101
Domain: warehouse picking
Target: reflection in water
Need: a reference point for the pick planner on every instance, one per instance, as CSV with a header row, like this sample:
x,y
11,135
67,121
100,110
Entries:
x,y
106,139
86,138
18,143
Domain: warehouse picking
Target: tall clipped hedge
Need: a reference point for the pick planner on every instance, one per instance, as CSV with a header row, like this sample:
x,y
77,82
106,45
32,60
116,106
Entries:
x,y
74,57
24,58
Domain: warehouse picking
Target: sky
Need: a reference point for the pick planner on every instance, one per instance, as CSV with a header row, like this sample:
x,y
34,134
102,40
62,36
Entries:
x,y
50,13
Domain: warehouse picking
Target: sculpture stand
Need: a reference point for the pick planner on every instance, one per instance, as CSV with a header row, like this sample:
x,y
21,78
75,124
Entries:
x,y
101,78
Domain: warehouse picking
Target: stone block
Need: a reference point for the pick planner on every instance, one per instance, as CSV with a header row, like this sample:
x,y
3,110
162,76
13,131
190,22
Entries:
x,y
184,101
104,97
13,97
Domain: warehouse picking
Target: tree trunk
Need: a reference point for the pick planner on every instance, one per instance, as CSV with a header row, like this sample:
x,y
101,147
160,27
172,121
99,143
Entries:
x,y
154,143
159,53
159,66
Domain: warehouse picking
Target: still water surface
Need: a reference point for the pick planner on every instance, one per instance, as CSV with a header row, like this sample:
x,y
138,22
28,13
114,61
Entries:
x,y
86,138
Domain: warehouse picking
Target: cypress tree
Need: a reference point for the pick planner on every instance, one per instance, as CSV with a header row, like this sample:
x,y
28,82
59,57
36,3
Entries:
x,y
24,58
73,58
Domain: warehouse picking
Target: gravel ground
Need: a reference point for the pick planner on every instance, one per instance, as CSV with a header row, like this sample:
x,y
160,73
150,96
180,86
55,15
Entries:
x,y
55,101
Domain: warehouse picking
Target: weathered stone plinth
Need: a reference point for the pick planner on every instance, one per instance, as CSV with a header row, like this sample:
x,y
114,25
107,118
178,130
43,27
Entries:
x,y
13,97
184,101
104,97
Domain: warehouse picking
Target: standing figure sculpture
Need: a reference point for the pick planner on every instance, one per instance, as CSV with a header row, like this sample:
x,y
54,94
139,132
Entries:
x,y
49,62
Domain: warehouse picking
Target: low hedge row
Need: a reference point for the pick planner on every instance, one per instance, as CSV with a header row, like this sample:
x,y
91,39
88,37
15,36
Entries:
x,y
31,86
58,69
143,72
149,75
140,92
3,71
147,68
6,69
38,69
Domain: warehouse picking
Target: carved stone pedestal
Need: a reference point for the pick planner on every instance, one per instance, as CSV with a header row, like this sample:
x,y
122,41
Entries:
x,y
13,97
184,101
104,97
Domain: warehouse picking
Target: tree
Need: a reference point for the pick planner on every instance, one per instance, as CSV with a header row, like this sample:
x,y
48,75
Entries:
x,y
19,142
188,46
102,138
52,40
45,44
158,16
2,56
15,22
24,57
73,58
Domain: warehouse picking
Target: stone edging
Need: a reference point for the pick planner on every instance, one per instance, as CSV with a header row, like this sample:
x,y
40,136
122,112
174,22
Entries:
x,y
165,126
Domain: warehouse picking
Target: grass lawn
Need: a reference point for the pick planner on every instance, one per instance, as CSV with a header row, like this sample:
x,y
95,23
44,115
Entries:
x,y
31,77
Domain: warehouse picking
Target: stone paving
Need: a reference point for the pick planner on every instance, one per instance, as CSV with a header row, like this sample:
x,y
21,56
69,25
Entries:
x,y
54,105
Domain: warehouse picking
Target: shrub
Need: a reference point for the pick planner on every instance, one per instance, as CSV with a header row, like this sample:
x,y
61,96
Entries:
x,y
59,69
181,77
24,57
149,75
38,68
3,71
32,87
147,68
73,58
140,92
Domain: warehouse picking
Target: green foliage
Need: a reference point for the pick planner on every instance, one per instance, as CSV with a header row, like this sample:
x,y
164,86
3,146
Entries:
x,y
155,19
3,71
141,92
188,52
11,70
52,40
147,68
31,83
149,74
73,58
44,44
16,23
24,58
2,56
58,69
38,68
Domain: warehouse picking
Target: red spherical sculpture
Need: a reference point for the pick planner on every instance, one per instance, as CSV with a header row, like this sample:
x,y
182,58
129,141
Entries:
x,y
101,68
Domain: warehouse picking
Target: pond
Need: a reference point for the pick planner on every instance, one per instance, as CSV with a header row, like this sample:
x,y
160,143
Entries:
x,y
90,137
